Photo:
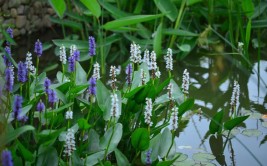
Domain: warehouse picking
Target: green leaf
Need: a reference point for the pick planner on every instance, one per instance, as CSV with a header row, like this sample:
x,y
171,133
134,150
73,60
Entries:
x,y
248,7
130,20
83,124
50,113
27,155
229,125
185,106
165,142
47,156
81,45
81,75
170,162
179,32
140,139
93,6
154,147
167,7
157,44
111,137
203,157
50,67
121,158
113,10
103,97
216,122
251,132
59,6
94,158
133,92
68,23
11,135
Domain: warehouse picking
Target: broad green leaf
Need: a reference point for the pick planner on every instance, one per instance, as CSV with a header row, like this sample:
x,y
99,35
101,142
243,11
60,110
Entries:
x,y
94,158
261,8
47,156
78,89
48,137
203,157
83,124
259,23
157,44
68,23
112,137
251,132
112,9
167,7
229,125
248,7
179,32
50,113
11,135
93,137
185,47
27,155
192,2
165,142
103,97
170,162
59,6
121,158
81,75
154,147
133,92
140,139
185,106
81,45
216,122
129,20
93,6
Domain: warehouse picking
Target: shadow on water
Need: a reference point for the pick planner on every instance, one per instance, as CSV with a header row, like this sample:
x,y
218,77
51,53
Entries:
x,y
211,78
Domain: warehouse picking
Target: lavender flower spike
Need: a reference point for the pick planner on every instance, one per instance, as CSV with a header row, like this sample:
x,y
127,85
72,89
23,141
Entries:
x,y
22,72
129,72
76,55
38,48
52,97
40,106
71,64
148,157
92,86
6,158
10,32
92,46
9,77
8,53
47,83
17,108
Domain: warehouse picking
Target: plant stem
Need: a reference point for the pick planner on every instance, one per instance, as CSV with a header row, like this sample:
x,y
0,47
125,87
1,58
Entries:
x,y
171,144
227,138
106,151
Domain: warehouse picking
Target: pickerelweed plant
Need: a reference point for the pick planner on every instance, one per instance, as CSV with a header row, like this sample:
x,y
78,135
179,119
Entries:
x,y
77,119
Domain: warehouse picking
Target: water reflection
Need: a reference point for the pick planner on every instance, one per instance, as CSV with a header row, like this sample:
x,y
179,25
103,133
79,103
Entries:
x,y
212,82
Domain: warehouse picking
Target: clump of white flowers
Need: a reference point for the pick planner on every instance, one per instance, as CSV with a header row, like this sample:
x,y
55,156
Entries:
x,y
62,54
153,64
114,105
29,64
235,96
240,47
135,53
96,71
170,91
148,112
174,118
146,57
185,84
69,115
143,76
73,48
168,59
69,143
112,74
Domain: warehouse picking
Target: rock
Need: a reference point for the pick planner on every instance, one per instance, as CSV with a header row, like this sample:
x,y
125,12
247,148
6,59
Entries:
x,y
10,21
37,23
37,5
22,31
13,12
5,7
46,21
15,32
28,25
13,3
50,11
20,9
20,21
2,2
25,2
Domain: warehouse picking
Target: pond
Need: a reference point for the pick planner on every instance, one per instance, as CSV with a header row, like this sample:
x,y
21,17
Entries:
x,y
212,79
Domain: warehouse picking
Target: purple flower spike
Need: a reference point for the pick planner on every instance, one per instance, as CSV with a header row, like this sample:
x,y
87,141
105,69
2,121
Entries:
x,y
76,55
8,53
6,158
22,72
71,64
10,32
23,119
129,72
47,83
40,107
38,48
148,157
92,46
17,108
9,76
92,86
52,97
